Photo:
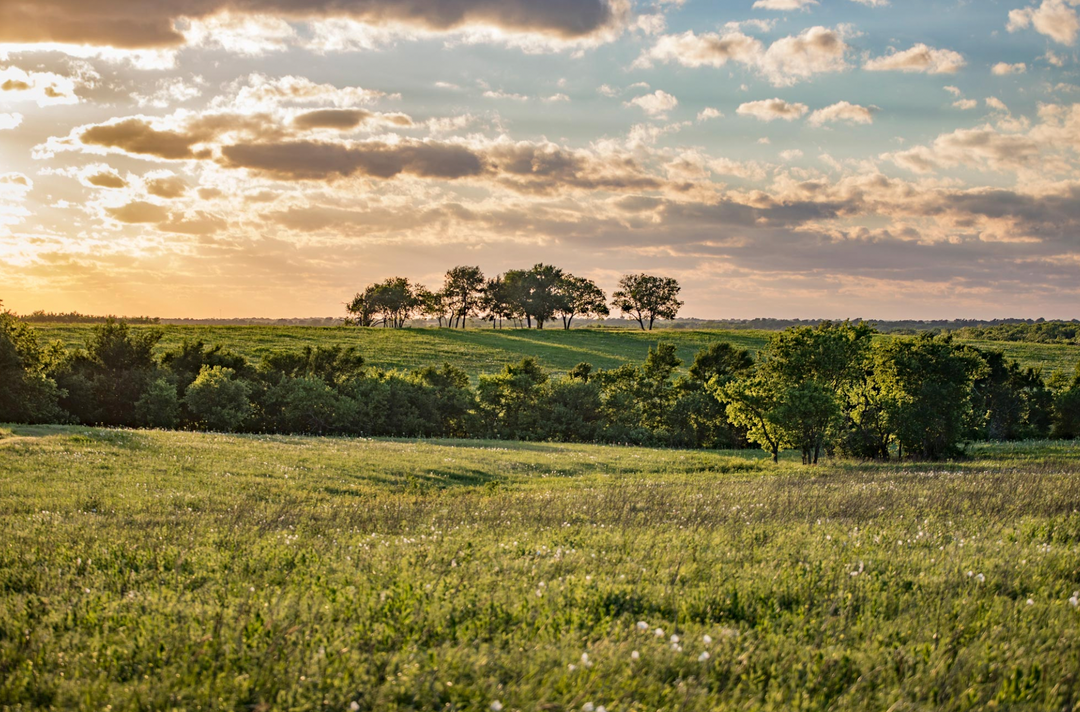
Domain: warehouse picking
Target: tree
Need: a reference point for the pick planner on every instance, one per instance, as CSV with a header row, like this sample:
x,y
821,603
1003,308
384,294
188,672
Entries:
x,y
218,400
542,296
647,298
362,310
463,288
27,395
434,305
720,361
395,299
928,383
581,297
798,390
498,301
104,381
754,403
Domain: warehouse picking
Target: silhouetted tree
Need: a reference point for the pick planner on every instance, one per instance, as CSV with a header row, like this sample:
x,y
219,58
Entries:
x,y
647,298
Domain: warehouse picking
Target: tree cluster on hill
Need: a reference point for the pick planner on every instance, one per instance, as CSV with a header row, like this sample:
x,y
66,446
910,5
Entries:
x,y
530,297
825,390
1040,332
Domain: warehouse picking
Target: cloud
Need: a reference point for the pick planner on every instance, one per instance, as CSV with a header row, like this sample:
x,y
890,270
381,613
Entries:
x,y
842,111
138,212
872,3
43,88
772,109
1003,68
157,23
982,147
166,186
709,113
658,104
785,62
706,50
137,136
965,104
345,119
105,177
784,4
919,58
10,121
1053,18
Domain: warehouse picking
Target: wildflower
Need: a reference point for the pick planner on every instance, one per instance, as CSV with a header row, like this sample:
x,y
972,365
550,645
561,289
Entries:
x,y
707,639
1075,600
676,647
1031,602
585,660
642,626
588,707
571,667
355,706
636,655
659,632
674,639
980,578
496,706
703,657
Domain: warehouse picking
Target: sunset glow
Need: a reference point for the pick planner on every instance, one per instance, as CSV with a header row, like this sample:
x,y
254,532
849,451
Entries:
x,y
788,158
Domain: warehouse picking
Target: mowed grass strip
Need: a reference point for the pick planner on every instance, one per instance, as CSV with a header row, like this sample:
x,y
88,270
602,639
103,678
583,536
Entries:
x,y
172,570
488,350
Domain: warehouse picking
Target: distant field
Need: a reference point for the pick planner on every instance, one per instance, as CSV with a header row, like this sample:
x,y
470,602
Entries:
x,y
172,570
486,350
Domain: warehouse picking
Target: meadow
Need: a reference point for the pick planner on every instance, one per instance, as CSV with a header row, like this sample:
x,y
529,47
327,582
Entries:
x,y
487,350
179,570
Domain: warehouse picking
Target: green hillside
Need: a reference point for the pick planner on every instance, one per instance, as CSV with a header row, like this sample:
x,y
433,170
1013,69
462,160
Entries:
x,y
485,350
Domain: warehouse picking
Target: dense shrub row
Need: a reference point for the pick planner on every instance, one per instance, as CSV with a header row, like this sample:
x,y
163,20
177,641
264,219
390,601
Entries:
x,y
828,389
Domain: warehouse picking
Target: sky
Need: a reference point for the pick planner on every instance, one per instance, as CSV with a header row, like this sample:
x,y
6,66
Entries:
x,y
781,158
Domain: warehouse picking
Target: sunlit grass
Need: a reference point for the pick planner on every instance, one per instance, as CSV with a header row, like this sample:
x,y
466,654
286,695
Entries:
x,y
156,570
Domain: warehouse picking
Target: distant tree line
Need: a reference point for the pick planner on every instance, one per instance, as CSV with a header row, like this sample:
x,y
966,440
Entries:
x,y
44,317
522,298
1040,332
826,390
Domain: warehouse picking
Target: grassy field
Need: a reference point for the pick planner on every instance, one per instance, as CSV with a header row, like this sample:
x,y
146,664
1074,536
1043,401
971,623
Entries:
x,y
487,350
171,570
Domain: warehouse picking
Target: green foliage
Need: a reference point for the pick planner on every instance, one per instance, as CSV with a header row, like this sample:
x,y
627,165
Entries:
x,y
928,383
647,298
159,406
796,395
179,570
105,381
217,400
27,395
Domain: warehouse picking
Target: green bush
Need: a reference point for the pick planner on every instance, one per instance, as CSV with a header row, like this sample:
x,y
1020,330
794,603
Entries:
x,y
159,406
217,400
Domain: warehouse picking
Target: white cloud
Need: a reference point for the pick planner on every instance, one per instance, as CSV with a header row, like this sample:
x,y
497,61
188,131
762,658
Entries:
x,y
1053,18
556,98
1003,68
843,111
773,109
791,155
10,121
791,59
500,94
709,113
919,58
872,3
656,104
784,4
994,103
965,104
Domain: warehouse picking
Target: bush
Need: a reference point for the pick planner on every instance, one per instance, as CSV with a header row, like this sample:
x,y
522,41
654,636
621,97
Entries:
x,y
217,400
159,406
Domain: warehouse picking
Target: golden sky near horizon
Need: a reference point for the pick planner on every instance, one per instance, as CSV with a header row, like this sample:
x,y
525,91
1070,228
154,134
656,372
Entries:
x,y
788,158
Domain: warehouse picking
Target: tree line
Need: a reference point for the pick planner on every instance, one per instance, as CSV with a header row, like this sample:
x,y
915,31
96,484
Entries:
x,y
826,390
532,297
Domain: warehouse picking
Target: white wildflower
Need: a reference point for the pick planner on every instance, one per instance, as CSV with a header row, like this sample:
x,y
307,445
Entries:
x,y
707,639
636,655
703,657
588,707
496,706
642,626
674,639
659,632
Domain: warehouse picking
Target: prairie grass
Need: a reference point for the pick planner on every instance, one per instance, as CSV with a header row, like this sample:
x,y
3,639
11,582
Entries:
x,y
173,570
488,350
